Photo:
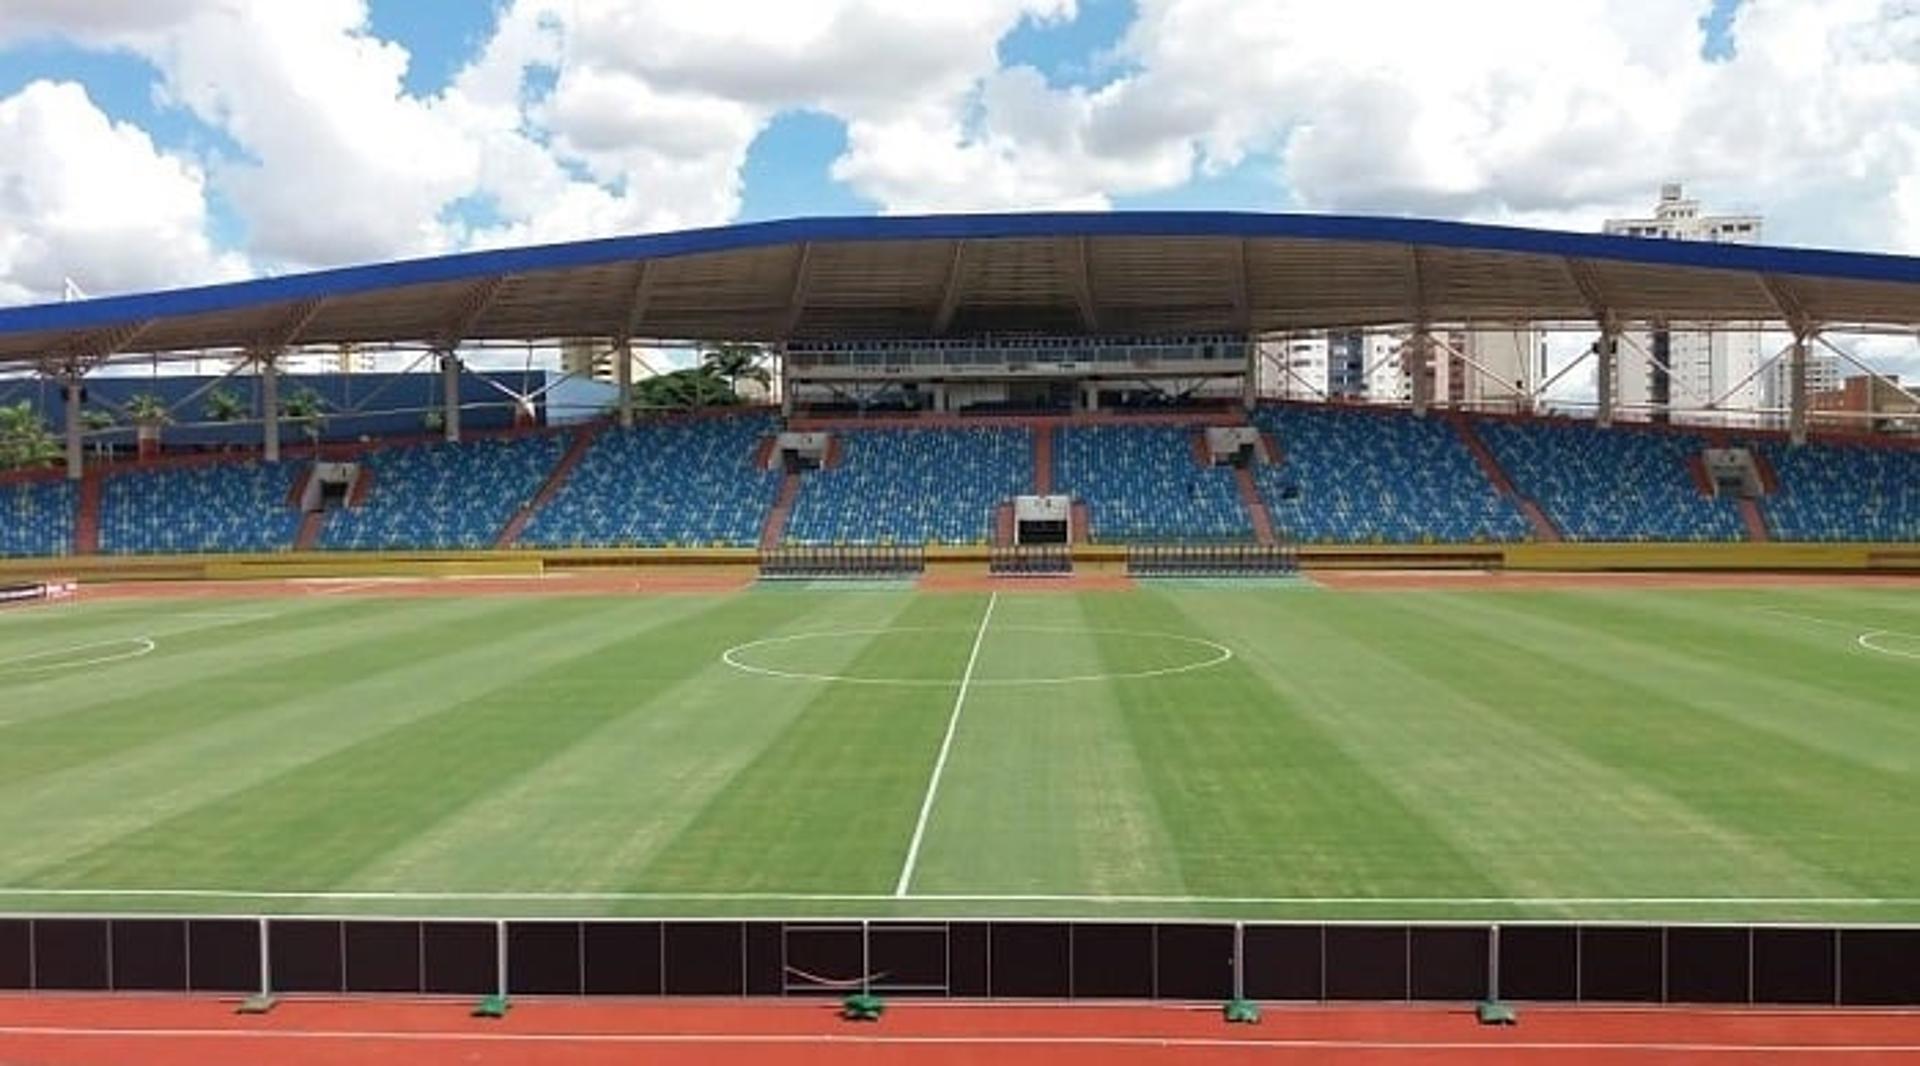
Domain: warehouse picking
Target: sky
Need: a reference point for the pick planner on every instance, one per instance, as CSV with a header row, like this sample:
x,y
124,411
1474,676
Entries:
x,y
157,143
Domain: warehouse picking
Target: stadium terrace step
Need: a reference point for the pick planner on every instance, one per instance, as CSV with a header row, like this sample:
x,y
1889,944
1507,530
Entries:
x,y
1271,445
1755,521
1697,469
1043,459
1079,522
86,519
1003,531
1198,441
311,525
1543,528
1616,484
774,529
1257,512
516,525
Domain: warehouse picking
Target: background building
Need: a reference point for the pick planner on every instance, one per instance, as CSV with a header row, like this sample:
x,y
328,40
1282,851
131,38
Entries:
x,y
1706,365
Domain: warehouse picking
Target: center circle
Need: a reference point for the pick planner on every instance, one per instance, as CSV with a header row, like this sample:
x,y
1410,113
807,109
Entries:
x,y
1156,655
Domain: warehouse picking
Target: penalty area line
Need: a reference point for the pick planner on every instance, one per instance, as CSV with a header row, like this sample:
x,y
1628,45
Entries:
x,y
946,746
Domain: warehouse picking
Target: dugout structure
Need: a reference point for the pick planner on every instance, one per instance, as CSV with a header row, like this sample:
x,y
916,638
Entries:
x,y
878,562
1213,560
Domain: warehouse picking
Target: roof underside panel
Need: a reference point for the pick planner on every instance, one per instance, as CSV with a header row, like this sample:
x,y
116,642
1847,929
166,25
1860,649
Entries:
x,y
1150,272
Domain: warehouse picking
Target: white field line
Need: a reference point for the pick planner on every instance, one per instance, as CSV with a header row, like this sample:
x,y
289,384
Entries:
x,y
735,658
1863,636
946,746
428,1036
401,896
136,647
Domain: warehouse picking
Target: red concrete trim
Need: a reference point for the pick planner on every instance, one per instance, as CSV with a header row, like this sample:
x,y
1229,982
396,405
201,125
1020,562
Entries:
x,y
774,529
562,469
311,524
1271,444
1257,512
1197,441
362,485
1755,520
931,420
1082,519
33,475
297,494
1697,470
1043,460
1544,528
86,517
763,452
1003,531
1769,477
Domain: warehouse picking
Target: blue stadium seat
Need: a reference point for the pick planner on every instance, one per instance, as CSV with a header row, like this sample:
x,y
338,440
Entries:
x,y
687,483
221,507
443,495
36,518
1142,483
913,486
1612,484
1830,492
1378,477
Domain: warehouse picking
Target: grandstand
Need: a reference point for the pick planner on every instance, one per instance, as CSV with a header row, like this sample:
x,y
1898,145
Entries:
x,y
240,506
442,495
1145,483
1618,485
36,518
682,483
912,486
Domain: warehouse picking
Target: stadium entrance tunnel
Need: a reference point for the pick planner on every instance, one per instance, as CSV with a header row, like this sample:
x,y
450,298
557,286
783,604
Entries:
x,y
1011,655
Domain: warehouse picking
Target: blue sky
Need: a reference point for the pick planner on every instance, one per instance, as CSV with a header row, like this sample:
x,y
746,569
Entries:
x,y
225,137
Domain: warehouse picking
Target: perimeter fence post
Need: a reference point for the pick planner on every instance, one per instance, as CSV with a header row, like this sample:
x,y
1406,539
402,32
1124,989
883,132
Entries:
x,y
1493,963
866,955
500,956
266,961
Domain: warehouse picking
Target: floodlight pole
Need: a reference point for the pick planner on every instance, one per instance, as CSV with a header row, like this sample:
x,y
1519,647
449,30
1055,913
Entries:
x,y
450,394
76,459
270,406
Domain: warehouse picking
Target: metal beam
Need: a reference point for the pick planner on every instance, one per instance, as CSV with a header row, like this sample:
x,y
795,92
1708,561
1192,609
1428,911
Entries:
x,y
1587,280
797,292
950,291
1080,281
286,333
472,305
1786,298
1239,289
639,300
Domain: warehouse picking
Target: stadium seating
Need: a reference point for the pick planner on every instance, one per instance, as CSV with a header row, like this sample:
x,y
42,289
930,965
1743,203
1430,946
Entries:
x,y
443,495
36,518
1378,477
1612,484
1843,492
687,483
224,507
1142,483
913,486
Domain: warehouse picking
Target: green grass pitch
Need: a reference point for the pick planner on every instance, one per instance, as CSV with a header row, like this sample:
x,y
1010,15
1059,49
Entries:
x,y
1740,754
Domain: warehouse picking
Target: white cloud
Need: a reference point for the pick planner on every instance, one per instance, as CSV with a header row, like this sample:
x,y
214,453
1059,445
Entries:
x,y
90,199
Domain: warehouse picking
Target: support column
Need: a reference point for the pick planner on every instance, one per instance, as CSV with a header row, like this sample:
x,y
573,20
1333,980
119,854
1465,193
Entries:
x,y
450,395
270,408
1417,360
1250,383
1607,352
623,378
76,460
1797,389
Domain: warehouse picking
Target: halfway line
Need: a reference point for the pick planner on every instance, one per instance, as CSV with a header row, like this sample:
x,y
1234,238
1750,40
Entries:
x,y
946,745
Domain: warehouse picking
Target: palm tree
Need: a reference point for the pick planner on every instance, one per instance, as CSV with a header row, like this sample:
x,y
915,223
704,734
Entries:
x,y
149,413
225,405
96,422
732,360
24,438
307,410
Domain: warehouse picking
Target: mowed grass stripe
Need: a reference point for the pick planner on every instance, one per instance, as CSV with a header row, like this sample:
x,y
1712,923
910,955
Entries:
x,y
1541,816
830,802
315,824
194,681
593,816
1044,791
1257,798
1622,701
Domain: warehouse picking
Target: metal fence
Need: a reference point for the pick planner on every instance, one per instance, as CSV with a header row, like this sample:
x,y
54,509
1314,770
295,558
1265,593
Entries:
x,y
1212,560
1001,959
822,562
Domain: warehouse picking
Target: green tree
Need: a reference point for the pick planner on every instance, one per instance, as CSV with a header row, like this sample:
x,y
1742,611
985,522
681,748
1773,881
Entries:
x,y
25,440
693,387
306,410
734,361
96,423
224,405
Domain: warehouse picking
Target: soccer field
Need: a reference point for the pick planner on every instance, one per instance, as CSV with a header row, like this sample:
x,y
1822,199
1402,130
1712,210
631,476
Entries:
x,y
1186,749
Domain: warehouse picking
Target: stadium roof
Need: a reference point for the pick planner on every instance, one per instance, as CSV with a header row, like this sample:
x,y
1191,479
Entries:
x,y
1120,272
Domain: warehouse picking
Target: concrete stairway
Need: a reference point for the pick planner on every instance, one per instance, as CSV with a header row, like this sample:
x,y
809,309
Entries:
x,y
517,522
86,519
1543,527
774,529
1256,507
